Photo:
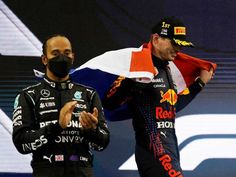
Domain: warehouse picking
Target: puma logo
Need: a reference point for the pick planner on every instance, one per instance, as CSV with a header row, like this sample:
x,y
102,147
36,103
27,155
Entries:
x,y
163,134
48,158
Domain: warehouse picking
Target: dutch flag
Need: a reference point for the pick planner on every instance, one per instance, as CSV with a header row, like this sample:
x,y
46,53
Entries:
x,y
136,63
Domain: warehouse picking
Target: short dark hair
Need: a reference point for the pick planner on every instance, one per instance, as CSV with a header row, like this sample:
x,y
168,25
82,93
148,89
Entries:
x,y
44,46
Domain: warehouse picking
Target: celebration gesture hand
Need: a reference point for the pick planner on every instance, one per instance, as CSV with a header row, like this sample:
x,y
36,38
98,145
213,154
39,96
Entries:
x,y
89,120
66,113
206,76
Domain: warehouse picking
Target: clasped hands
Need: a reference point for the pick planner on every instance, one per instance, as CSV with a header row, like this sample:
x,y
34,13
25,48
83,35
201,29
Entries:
x,y
87,120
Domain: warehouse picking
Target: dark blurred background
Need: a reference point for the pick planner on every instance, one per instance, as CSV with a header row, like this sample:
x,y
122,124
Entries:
x,y
97,26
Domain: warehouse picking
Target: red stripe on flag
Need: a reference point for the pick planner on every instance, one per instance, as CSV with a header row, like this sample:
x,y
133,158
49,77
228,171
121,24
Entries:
x,y
190,67
142,60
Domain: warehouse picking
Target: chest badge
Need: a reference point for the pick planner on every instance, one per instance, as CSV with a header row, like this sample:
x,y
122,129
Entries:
x,y
45,93
78,95
169,96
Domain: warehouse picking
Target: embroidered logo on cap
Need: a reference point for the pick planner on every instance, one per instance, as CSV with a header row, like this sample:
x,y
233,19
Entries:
x,y
179,30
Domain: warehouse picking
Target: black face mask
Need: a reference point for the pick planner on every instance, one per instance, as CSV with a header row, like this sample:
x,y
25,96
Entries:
x,y
60,65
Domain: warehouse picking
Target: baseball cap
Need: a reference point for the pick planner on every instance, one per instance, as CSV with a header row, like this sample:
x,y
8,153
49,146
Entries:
x,y
174,29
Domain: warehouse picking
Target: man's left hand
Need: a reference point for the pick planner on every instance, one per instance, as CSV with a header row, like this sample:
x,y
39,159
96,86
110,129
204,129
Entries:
x,y
206,76
89,120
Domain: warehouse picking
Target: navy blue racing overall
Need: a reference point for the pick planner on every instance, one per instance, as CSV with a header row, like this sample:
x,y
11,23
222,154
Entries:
x,y
153,107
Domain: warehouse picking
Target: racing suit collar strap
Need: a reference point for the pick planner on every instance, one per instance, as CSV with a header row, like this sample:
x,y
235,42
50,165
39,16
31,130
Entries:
x,y
66,85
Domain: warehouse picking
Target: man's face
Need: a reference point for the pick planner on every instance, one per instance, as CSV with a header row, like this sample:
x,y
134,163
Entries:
x,y
58,45
165,48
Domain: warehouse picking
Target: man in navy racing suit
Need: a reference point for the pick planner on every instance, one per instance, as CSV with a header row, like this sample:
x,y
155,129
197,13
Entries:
x,y
58,121
154,105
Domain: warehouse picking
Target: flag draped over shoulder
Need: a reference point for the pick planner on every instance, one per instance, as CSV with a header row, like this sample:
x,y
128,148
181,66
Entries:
x,y
136,63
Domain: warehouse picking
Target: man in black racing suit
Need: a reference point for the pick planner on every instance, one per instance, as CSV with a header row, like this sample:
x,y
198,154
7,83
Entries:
x,y
154,105
60,122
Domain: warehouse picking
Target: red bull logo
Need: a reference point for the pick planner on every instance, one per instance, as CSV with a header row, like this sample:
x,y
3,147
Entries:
x,y
170,96
115,85
164,114
166,163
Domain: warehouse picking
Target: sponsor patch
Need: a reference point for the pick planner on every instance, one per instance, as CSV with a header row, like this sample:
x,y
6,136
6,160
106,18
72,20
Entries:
x,y
179,30
166,162
16,103
45,93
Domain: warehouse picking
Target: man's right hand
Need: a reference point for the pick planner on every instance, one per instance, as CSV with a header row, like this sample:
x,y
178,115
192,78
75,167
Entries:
x,y
66,114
